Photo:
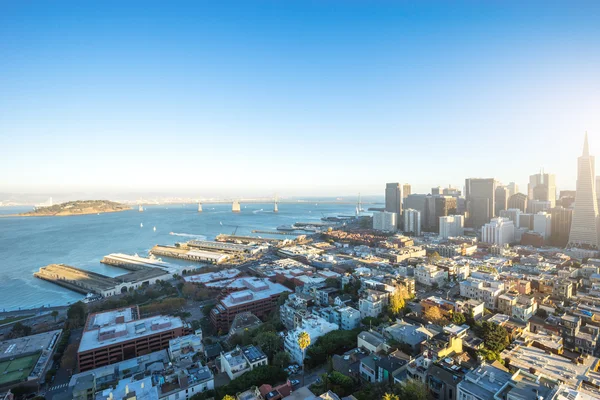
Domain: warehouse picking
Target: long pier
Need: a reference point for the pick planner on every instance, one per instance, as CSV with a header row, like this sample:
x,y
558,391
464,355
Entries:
x,y
185,253
136,263
278,232
244,239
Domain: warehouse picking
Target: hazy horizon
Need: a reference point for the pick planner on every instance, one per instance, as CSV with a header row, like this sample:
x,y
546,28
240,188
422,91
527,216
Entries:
x,y
295,98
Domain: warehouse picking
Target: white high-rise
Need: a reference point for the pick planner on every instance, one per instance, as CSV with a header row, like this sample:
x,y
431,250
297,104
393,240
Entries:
x,y
584,228
385,221
499,231
451,226
513,214
542,224
412,221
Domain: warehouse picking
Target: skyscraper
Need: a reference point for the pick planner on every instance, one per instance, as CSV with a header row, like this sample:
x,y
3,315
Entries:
x,y
412,222
518,200
481,200
393,200
561,225
513,188
406,190
542,187
416,202
436,191
584,228
501,199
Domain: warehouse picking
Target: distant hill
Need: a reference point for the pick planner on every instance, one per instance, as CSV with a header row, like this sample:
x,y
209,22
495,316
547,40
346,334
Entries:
x,y
79,207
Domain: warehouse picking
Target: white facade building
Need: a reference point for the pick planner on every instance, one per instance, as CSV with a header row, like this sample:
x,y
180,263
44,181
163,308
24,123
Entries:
x,y
487,291
513,214
412,221
371,305
385,221
349,318
315,327
542,224
452,226
430,274
499,231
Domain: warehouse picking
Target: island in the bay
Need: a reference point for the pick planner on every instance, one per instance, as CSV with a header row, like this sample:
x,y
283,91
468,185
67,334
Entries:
x,y
78,207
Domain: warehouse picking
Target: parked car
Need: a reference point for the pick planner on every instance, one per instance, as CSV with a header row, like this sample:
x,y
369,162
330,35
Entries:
x,y
295,382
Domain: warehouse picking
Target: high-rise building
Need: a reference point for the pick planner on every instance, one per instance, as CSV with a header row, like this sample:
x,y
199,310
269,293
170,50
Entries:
x,y
429,216
393,200
406,190
513,214
385,221
584,228
542,225
501,199
561,225
536,206
436,191
499,231
450,191
444,206
526,221
412,221
481,195
542,187
452,226
513,188
416,202
567,197
518,200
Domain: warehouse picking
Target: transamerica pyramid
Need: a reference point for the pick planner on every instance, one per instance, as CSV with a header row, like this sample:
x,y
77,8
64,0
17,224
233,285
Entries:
x,y
584,227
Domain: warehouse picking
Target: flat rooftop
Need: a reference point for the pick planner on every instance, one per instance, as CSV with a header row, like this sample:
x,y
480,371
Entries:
x,y
27,345
213,276
93,339
257,289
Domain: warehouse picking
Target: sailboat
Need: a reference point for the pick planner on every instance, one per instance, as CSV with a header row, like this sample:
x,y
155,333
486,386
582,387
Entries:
x,y
141,225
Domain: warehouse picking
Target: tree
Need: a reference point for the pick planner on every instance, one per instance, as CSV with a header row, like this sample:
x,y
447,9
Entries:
x,y
413,389
494,336
54,314
281,359
332,282
19,330
397,301
269,342
76,313
433,314
228,397
69,358
390,396
303,343
458,318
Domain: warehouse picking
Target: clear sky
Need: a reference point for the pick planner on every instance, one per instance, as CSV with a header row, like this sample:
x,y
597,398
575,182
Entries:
x,y
313,97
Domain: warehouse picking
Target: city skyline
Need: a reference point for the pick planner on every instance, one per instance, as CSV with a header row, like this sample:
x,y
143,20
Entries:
x,y
309,99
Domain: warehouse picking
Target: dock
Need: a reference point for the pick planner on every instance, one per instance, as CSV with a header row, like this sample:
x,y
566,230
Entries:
x,y
136,263
315,224
82,281
245,239
287,233
183,252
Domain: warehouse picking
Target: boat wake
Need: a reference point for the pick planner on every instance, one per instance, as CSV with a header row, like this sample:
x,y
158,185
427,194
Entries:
x,y
190,235
257,211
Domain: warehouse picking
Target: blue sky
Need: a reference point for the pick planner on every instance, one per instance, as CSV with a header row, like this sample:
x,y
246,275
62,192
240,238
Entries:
x,y
314,97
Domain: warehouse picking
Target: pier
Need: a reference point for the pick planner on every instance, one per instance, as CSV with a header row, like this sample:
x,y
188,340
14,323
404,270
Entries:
x,y
245,239
183,252
136,263
277,232
82,281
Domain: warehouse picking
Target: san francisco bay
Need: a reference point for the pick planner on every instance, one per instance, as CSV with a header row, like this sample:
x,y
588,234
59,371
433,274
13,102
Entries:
x,y
28,243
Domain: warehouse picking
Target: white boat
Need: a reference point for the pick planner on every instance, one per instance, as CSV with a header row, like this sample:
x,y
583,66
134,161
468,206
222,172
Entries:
x,y
141,225
154,229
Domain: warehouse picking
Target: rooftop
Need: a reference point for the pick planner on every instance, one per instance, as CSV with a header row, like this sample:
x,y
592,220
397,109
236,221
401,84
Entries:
x,y
122,332
213,276
258,289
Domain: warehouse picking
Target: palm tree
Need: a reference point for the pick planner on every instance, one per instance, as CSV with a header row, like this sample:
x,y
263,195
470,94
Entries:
x,y
303,343
228,397
390,396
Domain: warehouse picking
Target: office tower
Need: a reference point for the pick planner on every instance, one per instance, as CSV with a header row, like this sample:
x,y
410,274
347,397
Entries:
x,y
513,188
436,191
536,206
406,190
385,221
412,222
513,214
480,194
416,202
518,200
429,216
393,200
452,226
561,225
499,231
542,187
444,205
567,197
450,191
526,221
598,191
584,228
542,224
501,199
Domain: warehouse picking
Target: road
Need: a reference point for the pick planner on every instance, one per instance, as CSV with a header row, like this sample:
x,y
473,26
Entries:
x,y
61,380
